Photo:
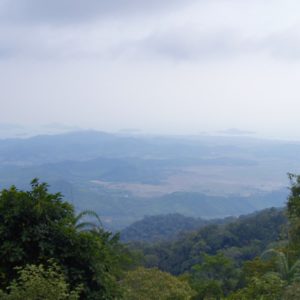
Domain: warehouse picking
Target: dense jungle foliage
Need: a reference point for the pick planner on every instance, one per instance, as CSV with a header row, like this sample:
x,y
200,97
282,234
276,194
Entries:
x,y
240,240
47,251
165,227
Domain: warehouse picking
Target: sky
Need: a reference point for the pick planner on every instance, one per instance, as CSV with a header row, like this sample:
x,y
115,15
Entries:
x,y
172,66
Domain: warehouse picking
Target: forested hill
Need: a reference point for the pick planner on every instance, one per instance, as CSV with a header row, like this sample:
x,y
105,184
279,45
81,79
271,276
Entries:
x,y
240,240
165,227
125,177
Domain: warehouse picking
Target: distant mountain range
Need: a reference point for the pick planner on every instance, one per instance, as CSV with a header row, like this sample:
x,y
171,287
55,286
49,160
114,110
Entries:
x,y
11,130
124,177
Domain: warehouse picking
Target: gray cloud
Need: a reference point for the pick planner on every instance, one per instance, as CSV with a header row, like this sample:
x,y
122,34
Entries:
x,y
284,45
23,36
190,45
235,131
7,51
175,45
106,64
69,11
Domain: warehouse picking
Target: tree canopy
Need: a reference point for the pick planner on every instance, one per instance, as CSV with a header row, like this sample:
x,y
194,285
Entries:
x,y
36,282
47,251
154,284
36,226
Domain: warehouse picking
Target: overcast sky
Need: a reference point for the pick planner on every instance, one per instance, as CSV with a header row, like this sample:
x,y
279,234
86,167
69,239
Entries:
x,y
171,66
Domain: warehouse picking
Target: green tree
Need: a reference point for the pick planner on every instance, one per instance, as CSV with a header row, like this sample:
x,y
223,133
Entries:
x,y
292,291
267,287
153,284
36,226
214,277
293,210
37,282
258,267
279,279
285,270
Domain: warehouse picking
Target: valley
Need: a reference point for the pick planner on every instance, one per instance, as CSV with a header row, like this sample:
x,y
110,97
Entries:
x,y
125,177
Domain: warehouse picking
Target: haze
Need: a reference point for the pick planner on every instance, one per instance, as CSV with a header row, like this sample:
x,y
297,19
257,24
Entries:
x,y
159,66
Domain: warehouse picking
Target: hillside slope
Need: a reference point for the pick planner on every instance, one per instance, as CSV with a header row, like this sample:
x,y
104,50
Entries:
x,y
242,239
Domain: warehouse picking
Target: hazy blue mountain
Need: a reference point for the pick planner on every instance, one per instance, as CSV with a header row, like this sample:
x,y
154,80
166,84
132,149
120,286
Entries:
x,y
125,177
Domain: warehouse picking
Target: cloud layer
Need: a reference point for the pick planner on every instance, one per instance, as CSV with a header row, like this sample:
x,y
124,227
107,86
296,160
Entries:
x,y
74,11
155,65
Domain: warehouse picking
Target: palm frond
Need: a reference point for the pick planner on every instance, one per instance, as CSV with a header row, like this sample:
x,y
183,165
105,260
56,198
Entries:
x,y
281,261
295,269
87,224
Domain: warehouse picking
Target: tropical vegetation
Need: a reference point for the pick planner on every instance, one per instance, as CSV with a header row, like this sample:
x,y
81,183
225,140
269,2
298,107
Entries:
x,y
49,251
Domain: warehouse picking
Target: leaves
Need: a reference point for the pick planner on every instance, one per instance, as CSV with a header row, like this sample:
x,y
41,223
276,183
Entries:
x,y
36,282
36,226
154,284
